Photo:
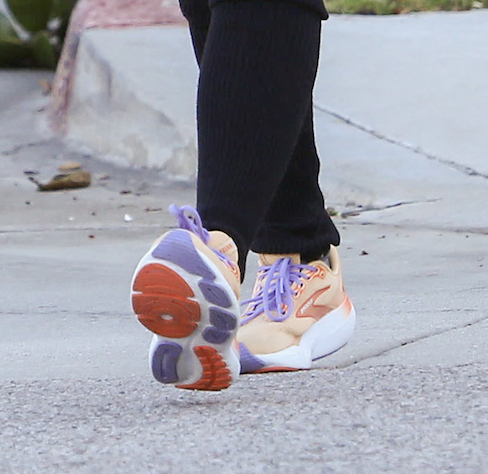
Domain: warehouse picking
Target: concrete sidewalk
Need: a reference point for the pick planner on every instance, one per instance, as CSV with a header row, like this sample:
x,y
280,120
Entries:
x,y
401,109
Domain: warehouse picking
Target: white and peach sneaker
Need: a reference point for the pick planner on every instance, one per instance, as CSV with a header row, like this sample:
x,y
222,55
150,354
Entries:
x,y
298,313
185,290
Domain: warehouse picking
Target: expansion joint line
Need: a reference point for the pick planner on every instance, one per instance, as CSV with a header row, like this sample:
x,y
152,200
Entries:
x,y
414,340
467,170
17,148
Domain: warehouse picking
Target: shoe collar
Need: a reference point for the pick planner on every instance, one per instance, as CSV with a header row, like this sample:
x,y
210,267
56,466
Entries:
x,y
270,259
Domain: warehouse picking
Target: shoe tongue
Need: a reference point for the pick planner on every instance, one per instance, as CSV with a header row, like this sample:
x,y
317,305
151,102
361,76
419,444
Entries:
x,y
224,244
269,259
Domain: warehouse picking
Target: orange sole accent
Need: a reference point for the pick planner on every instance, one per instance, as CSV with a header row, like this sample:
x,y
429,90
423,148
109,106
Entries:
x,y
162,304
216,376
275,369
347,306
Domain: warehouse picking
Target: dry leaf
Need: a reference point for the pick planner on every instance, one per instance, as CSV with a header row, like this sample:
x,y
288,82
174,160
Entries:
x,y
77,179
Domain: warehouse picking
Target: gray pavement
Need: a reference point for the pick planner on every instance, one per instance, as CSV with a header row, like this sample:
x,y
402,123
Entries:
x,y
410,391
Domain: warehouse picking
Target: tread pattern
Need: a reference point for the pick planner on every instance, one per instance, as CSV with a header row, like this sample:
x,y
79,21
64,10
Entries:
x,y
162,303
216,376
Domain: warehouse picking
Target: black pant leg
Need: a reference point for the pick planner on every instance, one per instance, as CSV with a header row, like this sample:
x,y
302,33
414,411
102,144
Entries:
x,y
297,221
256,79
197,13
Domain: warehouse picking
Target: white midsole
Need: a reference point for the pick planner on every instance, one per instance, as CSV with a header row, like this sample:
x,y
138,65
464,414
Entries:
x,y
325,337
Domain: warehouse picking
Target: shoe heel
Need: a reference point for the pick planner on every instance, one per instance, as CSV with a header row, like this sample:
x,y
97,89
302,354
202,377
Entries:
x,y
180,295
216,375
333,332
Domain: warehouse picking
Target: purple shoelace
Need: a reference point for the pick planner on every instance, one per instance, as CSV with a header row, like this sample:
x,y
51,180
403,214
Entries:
x,y
189,219
277,289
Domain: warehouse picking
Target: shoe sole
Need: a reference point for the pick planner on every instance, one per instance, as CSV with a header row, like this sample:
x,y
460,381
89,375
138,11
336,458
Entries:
x,y
185,301
325,337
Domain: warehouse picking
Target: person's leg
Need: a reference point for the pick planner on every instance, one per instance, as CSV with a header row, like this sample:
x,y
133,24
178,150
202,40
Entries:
x,y
297,221
257,72
299,311
253,100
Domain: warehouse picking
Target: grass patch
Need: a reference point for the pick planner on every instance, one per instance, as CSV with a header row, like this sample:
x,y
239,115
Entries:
x,y
389,7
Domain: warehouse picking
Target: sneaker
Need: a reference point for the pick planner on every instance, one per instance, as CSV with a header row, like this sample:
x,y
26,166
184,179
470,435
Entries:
x,y
298,313
185,290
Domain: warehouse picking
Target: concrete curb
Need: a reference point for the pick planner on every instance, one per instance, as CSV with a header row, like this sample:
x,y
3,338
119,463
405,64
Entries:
x,y
142,115
97,101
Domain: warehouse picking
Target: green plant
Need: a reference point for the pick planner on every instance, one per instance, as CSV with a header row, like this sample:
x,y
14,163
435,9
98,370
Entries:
x,y
32,32
388,7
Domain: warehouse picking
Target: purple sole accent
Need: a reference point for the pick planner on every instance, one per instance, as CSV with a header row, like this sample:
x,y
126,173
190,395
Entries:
x,y
222,319
249,363
214,293
215,336
222,323
177,247
164,360
328,353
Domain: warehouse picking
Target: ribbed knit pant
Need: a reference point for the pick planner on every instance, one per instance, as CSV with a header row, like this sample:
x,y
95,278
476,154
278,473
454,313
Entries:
x,y
257,160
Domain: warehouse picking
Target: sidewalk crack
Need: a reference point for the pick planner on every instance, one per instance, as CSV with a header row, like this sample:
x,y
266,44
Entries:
x,y
22,146
467,170
409,341
361,210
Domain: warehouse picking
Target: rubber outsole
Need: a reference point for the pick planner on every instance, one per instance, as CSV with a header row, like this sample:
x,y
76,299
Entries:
x,y
181,297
